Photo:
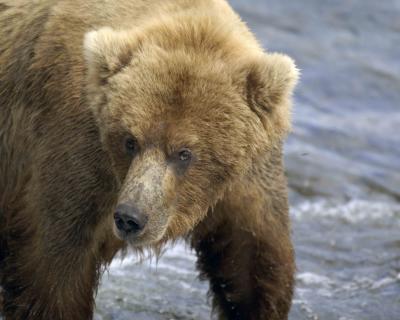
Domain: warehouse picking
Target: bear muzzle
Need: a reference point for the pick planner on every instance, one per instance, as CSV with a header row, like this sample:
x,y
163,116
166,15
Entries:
x,y
142,212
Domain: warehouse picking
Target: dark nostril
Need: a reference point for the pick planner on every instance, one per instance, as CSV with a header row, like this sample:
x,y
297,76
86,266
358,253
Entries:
x,y
129,219
133,225
118,221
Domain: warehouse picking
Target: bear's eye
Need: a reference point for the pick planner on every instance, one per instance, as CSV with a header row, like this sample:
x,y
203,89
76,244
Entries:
x,y
185,155
131,146
181,160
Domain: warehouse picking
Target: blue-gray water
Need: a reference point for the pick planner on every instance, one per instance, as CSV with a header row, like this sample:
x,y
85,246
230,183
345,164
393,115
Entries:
x,y
343,164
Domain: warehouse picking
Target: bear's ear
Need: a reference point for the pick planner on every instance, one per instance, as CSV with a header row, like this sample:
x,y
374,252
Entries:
x,y
270,80
107,52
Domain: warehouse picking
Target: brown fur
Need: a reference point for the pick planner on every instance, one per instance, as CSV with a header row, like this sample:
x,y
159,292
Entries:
x,y
77,77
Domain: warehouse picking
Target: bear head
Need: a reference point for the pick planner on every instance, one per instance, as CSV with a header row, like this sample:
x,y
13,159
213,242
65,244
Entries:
x,y
184,112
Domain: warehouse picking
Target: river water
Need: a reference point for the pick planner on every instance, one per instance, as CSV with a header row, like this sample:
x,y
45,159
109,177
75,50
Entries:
x,y
343,165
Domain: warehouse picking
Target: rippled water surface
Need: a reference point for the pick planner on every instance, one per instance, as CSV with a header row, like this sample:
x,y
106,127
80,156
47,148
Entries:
x,y
343,165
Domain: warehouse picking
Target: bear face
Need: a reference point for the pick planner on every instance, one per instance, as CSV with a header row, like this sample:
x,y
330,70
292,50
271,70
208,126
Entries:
x,y
181,124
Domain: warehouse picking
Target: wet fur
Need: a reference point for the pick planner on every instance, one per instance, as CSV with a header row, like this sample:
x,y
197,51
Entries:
x,y
59,182
244,247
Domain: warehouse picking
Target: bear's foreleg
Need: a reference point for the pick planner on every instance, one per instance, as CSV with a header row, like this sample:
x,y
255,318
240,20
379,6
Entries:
x,y
48,286
245,251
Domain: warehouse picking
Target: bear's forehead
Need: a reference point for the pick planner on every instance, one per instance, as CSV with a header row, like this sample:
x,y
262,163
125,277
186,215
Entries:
x,y
174,101
181,90
176,120
175,80
172,127
174,93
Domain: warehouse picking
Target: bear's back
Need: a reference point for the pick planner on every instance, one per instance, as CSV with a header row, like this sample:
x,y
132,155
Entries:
x,y
42,41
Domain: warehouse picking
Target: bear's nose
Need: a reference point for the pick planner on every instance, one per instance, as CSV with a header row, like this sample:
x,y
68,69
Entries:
x,y
129,219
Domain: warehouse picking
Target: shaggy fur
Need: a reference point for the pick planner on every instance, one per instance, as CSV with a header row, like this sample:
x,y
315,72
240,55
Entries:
x,y
79,77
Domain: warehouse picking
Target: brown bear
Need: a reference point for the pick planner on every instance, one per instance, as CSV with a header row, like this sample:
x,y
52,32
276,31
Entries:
x,y
135,123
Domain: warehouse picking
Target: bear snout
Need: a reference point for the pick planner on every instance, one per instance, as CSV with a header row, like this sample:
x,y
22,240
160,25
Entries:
x,y
129,220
